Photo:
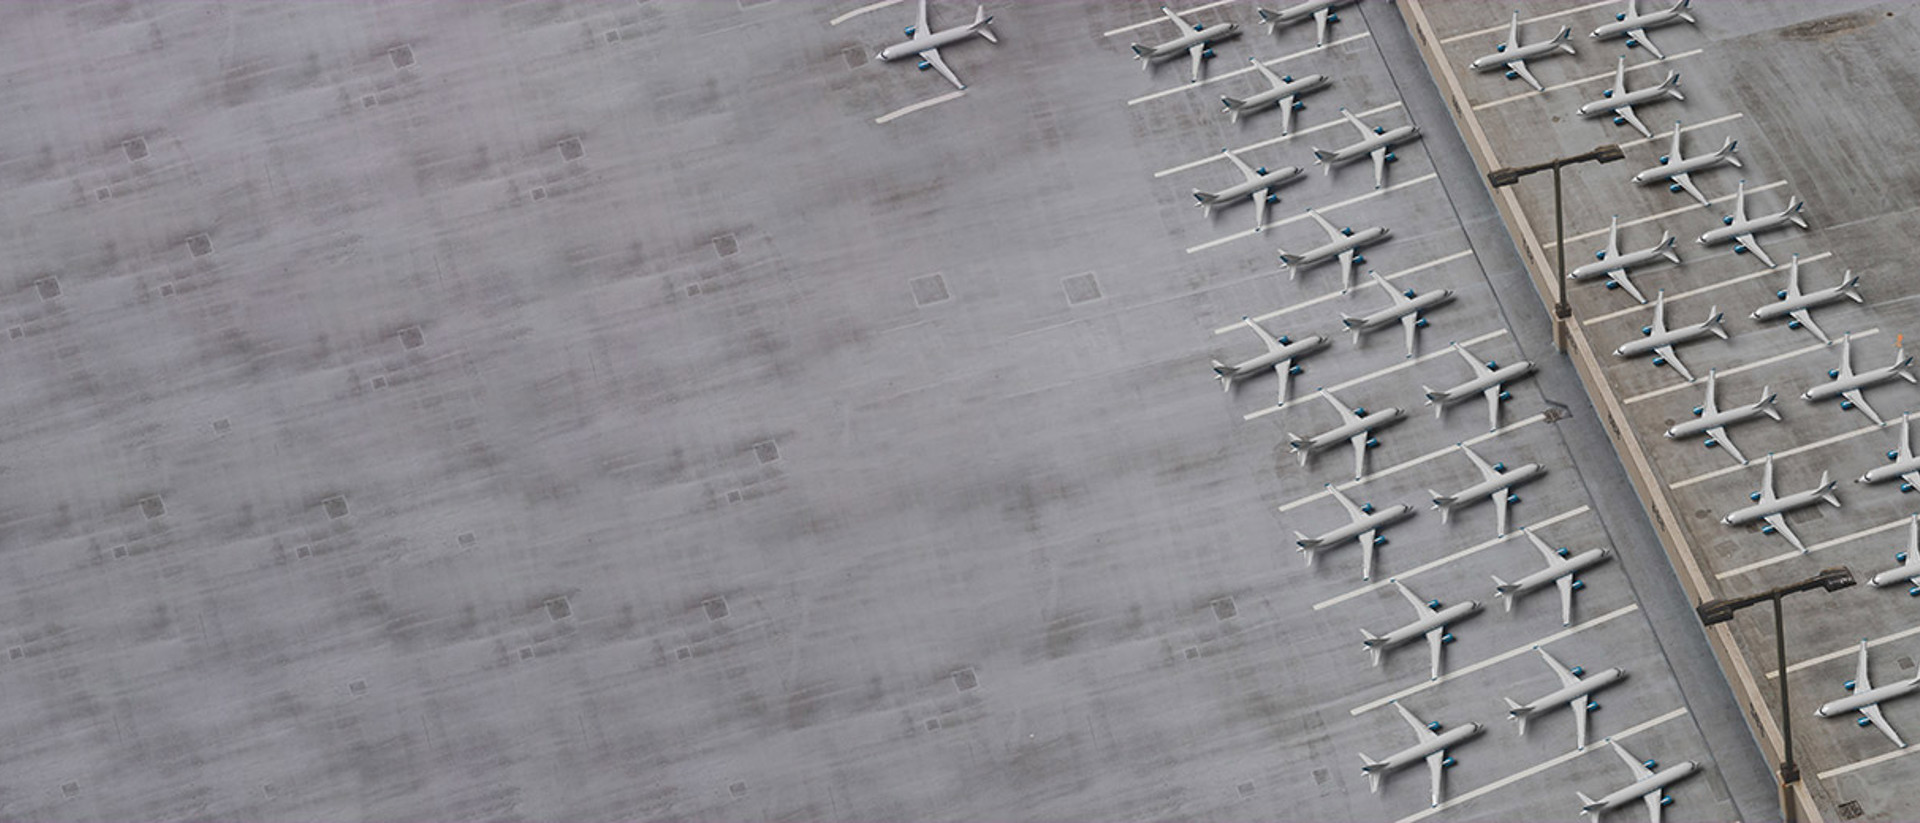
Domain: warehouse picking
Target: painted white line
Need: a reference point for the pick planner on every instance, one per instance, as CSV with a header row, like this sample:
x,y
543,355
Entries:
x,y
1499,658
1850,651
1405,363
901,112
1672,298
1725,198
1782,558
1585,80
1786,355
1788,453
1502,28
862,10
1211,79
1434,564
1281,139
1163,18
1245,233
1471,441
1662,135
1536,769
1876,759
1310,302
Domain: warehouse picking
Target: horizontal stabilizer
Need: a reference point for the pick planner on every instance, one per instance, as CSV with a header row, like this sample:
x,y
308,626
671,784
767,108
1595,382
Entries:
x,y
1321,155
1766,402
1232,102
1502,588
1443,502
1666,247
1142,52
1794,205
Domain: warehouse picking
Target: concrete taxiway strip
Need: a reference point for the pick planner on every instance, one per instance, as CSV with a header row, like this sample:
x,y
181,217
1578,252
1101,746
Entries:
x,y
1211,79
1677,296
1246,233
1496,659
1502,28
862,10
1849,651
1825,544
1406,363
906,110
1434,564
1333,295
1861,764
1585,80
1281,139
1788,453
1725,198
1433,455
1786,355
1536,769
1163,19
1663,135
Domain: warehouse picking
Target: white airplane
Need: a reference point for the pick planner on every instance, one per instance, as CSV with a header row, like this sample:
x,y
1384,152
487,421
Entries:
x,y
1497,483
1710,419
1365,526
1514,56
1678,170
1563,569
924,42
1908,571
1799,305
1431,623
1634,25
1610,262
1284,93
1406,308
1901,463
1433,745
1197,43
1320,10
1647,785
1846,383
1866,699
1620,102
1489,380
1281,352
1356,426
1259,186
1741,229
1575,692
1375,141
1343,243
1773,509
1660,340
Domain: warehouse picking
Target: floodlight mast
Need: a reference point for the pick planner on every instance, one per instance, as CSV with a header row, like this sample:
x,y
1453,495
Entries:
x,y
1499,178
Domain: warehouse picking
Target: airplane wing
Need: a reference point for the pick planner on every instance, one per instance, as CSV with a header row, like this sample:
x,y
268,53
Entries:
x,y
1719,435
1320,20
1806,319
1566,616
1353,511
1240,164
1620,77
1579,707
932,56
1906,443
1685,181
1779,523
1846,355
1711,407
1859,401
1366,131
1640,772
1411,323
1436,638
1163,10
1284,369
1660,314
1346,270
1493,406
1286,112
1552,557
1198,53
1500,498
1626,113
1873,714
1436,762
1332,233
1260,208
1754,246
1740,203
1359,455
1640,36
1861,683
1666,353
1479,368
1419,728
1766,481
1272,344
1912,479
1346,414
1487,471
1513,32
1566,674
1380,167
920,21
1419,606
1653,806
1519,67
1620,276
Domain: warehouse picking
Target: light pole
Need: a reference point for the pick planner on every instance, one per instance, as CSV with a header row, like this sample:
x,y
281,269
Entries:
x,y
1510,175
1721,611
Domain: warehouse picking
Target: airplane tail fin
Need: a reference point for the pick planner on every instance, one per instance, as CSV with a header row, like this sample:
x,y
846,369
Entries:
x,y
1444,503
1232,103
1502,588
1433,396
1205,200
1373,643
1225,374
1267,17
1766,402
1680,10
1519,713
1298,444
1588,805
1305,543
1827,495
1850,289
1566,34
1143,52
1321,155
980,21
1666,247
1714,319
1794,205
1672,85
1727,149
1372,769
1288,260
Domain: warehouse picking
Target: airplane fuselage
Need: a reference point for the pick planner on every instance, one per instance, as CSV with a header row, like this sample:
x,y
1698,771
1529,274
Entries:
x,y
1419,628
1208,35
1859,380
1574,565
1479,492
1649,20
1419,751
1666,338
1779,505
1676,168
923,42
1265,181
1725,417
1280,92
1380,519
1750,226
1626,260
1388,316
1586,687
1366,147
1334,248
1904,575
1890,471
1298,348
1473,388
1632,98
1656,782
1500,59
1304,11
1861,700
1341,434
1781,308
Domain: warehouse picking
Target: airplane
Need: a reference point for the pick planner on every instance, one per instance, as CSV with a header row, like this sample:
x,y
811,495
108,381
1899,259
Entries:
x,y
1846,383
1798,305
1365,527
1610,262
1433,745
1909,569
1431,622
1867,699
1497,483
1489,380
1284,93
1901,463
1621,102
1514,56
1198,43
1647,785
1375,141
1562,569
1773,509
1320,10
1634,25
1356,426
1281,352
1710,419
1259,185
1678,170
924,42
1406,308
1575,692
1660,340
1741,229
1342,243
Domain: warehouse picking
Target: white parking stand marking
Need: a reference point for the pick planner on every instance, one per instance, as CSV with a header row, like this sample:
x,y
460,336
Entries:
x,y
1310,302
1502,29
1163,18
1788,453
862,10
1533,770
1434,564
1405,363
1849,651
1745,367
1725,198
1434,455
1582,81
1672,298
1876,759
1248,70
1281,139
1663,135
1823,545
1246,233
1499,658
906,110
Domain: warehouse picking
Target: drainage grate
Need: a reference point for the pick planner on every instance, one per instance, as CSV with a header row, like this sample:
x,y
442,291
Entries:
x,y
1081,288
929,290
716,608
767,451
570,149
1223,608
1850,810
200,245
965,679
49,288
558,608
135,148
402,56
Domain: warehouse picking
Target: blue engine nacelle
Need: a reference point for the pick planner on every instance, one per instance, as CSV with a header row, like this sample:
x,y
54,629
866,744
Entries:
x,y
1346,230
1299,105
1621,16
1600,255
1712,443
1434,727
1393,158
1699,410
1664,159
1578,671
923,65
1447,762
1863,722
1833,374
1372,443
1899,557
1359,258
1420,323
1500,49
1446,638
1493,364
1379,540
1208,54
1793,324
1659,361
1780,295
1512,498
1754,496
1739,248
1379,129
1846,405
1906,487
1675,188
1651,764
1578,585
1408,294
1727,220
1619,121
1366,508
1286,78
1296,370
908,31
1499,467
1285,340
1562,551
1768,529
1666,800
1506,395
1847,685
1632,43
1646,331
1612,285
1608,93
1913,591
1593,705
1434,604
